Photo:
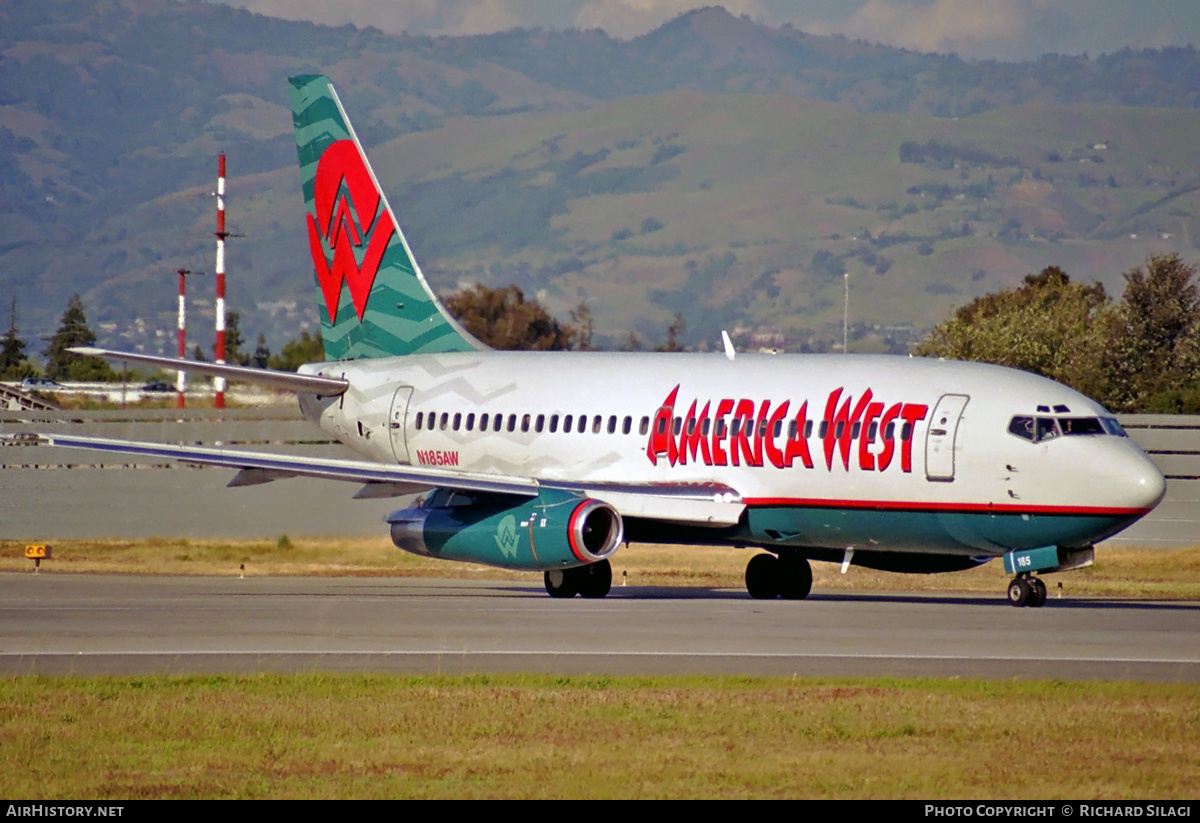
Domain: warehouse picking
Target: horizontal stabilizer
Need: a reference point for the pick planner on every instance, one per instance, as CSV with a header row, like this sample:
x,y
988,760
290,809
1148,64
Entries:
x,y
283,380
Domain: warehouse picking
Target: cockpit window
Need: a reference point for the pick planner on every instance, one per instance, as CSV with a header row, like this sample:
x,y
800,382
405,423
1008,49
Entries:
x,y
1037,429
1046,428
1033,429
1080,425
1112,426
1022,427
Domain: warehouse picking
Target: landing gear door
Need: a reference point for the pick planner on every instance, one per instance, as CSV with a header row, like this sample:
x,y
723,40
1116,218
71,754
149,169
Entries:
x,y
397,429
939,439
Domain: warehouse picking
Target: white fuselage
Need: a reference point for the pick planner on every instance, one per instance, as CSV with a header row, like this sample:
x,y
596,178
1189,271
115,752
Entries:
x,y
832,436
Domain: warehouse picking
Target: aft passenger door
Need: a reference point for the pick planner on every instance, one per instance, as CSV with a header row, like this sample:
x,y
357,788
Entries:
x,y
397,429
940,437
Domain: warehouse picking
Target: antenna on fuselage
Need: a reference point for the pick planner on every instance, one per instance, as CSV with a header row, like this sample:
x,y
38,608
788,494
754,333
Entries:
x,y
729,352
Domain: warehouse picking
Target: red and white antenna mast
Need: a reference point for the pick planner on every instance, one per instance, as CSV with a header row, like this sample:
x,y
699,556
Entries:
x,y
181,378
220,271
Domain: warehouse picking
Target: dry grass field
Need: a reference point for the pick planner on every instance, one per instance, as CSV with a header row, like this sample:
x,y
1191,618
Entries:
x,y
1118,572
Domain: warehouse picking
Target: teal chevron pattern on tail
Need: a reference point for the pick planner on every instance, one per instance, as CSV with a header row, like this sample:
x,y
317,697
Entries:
x,y
373,300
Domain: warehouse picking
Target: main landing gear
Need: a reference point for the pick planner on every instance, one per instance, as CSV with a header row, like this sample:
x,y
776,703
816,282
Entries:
x,y
788,576
589,581
1027,590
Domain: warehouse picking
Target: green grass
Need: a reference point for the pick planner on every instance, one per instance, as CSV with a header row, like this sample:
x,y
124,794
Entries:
x,y
514,736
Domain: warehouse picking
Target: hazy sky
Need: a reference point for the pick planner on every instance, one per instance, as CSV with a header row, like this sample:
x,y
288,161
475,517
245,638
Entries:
x,y
1004,29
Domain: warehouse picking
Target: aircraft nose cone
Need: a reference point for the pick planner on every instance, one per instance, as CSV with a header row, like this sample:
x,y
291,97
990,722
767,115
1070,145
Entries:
x,y
1135,482
1149,484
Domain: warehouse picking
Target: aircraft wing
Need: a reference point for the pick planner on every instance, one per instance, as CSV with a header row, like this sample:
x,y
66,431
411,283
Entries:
x,y
263,467
699,504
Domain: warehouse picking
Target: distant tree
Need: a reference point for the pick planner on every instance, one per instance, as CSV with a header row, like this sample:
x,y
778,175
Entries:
x,y
632,342
73,331
584,325
262,355
234,340
674,333
1155,348
14,363
307,349
504,319
1049,326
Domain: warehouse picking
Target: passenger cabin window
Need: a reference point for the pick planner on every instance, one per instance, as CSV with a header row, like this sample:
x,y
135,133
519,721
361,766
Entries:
x,y
627,425
419,415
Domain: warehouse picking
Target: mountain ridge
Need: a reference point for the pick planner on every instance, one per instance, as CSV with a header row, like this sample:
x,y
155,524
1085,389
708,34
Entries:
x,y
710,137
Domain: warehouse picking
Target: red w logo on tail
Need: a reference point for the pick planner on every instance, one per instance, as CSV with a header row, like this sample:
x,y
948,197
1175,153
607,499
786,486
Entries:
x,y
347,215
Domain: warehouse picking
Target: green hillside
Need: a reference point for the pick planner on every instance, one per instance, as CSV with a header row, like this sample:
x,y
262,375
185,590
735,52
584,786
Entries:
x,y
744,210
714,167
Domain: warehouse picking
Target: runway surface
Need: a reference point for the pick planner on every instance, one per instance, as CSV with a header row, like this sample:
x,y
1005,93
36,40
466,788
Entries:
x,y
109,624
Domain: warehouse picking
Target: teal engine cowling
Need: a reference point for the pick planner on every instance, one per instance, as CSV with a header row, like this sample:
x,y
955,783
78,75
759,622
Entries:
x,y
555,530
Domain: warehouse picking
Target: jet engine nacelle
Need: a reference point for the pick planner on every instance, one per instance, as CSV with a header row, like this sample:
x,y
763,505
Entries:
x,y
555,530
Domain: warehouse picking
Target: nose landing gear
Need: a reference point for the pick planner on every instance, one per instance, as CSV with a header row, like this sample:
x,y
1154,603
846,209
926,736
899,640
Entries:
x,y
1027,590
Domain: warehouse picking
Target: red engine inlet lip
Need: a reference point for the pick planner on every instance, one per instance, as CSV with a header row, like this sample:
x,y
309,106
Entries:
x,y
579,521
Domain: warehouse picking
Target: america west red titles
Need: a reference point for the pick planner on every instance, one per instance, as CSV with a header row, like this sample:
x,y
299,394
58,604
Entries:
x,y
743,432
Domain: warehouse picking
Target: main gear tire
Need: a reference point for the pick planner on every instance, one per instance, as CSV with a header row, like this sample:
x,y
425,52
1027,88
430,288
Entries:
x,y
595,580
561,583
762,577
795,577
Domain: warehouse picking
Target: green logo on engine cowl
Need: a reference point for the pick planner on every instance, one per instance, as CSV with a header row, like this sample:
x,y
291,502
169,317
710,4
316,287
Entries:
x,y
506,536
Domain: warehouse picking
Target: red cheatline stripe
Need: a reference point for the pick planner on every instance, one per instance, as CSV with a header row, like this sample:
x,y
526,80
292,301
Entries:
x,y
963,508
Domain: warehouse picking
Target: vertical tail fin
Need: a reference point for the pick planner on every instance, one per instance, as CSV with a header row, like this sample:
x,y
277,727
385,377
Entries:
x,y
373,299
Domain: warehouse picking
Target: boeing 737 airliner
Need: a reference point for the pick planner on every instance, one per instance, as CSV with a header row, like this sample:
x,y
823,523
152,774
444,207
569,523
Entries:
x,y
550,461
